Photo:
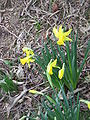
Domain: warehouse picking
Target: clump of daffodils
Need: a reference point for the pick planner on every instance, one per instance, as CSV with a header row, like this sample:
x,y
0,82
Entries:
x,y
29,56
61,35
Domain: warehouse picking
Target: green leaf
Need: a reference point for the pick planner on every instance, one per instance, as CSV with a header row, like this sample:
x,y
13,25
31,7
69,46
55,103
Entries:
x,y
46,116
74,56
49,79
58,102
47,52
42,116
10,84
39,61
45,57
53,50
9,63
78,108
50,113
86,54
50,99
4,87
74,78
61,110
64,98
61,54
75,50
38,25
68,56
55,81
7,84
68,77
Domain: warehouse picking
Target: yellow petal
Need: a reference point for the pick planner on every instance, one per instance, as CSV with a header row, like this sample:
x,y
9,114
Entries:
x,y
60,42
67,33
28,51
50,66
24,60
89,105
56,33
31,60
60,30
53,64
67,39
49,69
61,72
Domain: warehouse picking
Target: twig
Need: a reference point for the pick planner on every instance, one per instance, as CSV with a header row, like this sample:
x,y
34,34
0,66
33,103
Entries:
x,y
79,89
8,10
18,83
10,32
15,101
28,5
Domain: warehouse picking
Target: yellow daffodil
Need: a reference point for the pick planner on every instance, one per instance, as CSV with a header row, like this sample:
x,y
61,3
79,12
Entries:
x,y
28,58
86,102
50,66
24,60
61,72
40,93
28,51
62,36
35,92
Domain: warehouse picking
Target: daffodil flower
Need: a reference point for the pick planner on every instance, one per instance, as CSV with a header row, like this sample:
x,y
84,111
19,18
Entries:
x,y
35,92
86,102
61,72
28,58
28,51
40,93
62,36
51,65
